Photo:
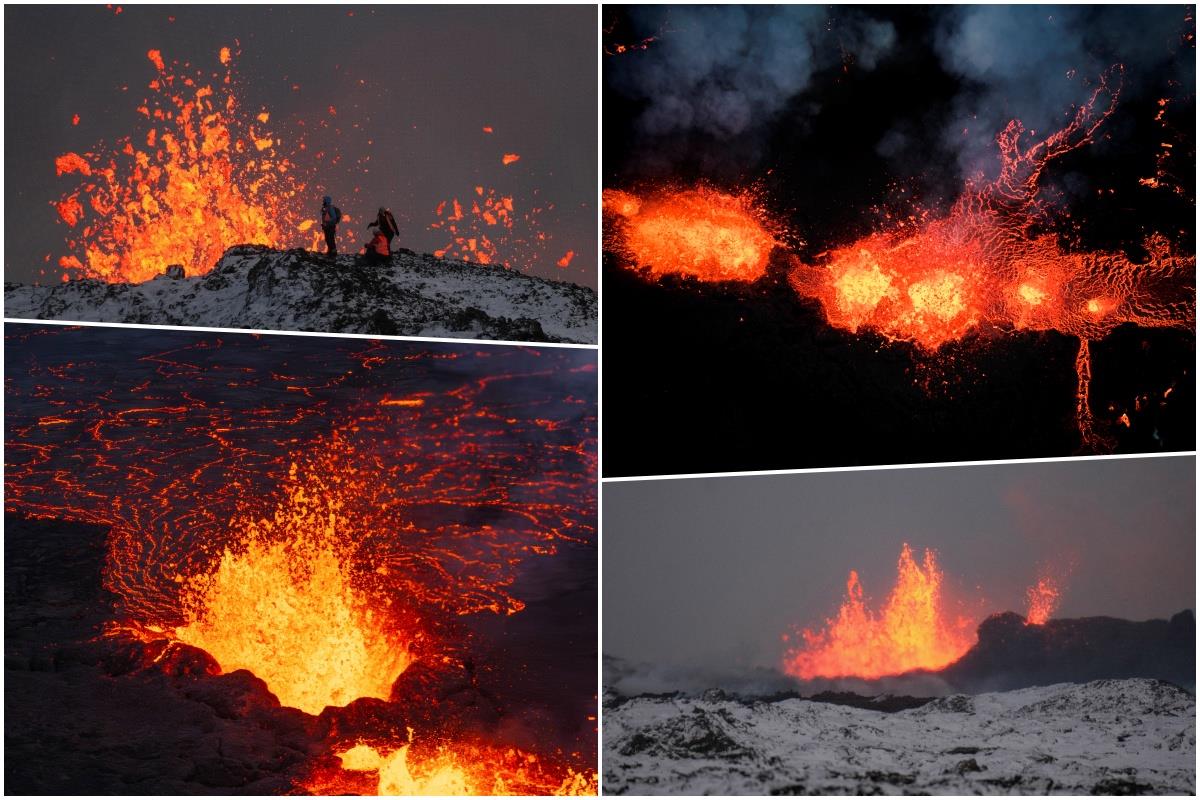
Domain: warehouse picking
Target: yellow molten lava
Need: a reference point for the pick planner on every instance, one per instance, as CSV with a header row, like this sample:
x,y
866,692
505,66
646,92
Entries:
x,y
462,771
913,629
285,608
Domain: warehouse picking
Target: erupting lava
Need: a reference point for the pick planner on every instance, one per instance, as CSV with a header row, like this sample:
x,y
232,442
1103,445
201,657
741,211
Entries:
x,y
489,228
697,232
326,515
454,770
203,174
286,608
913,630
983,264
989,265
1043,601
938,279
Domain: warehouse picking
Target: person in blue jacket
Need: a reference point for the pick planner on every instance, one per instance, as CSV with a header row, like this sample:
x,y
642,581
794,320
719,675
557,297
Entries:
x,y
331,215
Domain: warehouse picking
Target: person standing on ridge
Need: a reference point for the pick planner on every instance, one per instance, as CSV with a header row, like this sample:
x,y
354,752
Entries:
x,y
331,215
386,224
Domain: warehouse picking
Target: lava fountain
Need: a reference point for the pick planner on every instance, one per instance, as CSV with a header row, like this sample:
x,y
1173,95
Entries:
x,y
328,515
912,630
700,232
1043,600
285,607
202,173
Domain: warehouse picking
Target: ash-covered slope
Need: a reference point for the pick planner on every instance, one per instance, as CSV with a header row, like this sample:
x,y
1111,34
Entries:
x,y
257,287
1103,737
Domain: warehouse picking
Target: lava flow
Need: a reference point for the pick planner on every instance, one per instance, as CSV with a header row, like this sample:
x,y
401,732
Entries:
x,y
328,515
700,232
203,173
913,630
937,279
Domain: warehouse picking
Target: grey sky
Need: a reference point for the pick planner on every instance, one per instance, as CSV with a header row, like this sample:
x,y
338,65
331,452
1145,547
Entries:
x,y
711,572
432,78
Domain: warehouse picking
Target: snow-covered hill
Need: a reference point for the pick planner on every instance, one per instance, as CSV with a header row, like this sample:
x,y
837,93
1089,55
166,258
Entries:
x,y
1103,737
257,287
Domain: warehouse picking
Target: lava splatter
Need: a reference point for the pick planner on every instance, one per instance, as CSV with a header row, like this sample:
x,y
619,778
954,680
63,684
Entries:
x,y
202,173
700,232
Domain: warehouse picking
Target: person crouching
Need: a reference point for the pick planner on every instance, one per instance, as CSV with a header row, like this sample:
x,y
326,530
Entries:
x,y
377,250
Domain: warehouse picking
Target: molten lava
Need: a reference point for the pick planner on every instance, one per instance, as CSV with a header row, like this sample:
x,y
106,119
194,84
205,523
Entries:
x,y
1043,601
203,173
450,770
700,232
935,280
912,630
325,514
285,607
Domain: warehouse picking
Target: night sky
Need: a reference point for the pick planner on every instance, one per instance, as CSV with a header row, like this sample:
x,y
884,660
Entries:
x,y
431,79
710,572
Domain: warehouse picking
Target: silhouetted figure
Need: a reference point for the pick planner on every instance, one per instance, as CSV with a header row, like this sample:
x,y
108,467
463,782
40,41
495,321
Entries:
x,y
331,215
386,224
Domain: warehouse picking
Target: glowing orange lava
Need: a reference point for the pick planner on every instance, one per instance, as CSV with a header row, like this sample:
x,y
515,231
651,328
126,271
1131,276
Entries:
x,y
912,630
492,228
1043,601
449,770
700,232
202,174
934,280
285,607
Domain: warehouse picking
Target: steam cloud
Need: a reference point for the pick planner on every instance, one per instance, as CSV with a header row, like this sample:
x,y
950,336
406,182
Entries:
x,y
1036,63
723,73
715,80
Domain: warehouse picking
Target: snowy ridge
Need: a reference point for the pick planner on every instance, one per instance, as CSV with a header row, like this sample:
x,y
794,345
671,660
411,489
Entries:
x,y
1104,737
257,287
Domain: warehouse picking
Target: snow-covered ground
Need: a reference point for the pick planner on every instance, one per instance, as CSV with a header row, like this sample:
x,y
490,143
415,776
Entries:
x,y
1103,737
256,287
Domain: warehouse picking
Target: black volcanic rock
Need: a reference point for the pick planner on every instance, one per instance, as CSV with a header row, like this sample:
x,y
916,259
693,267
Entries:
x,y
1011,654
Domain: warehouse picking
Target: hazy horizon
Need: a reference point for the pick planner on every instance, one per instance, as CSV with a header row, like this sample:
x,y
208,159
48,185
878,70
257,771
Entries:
x,y
709,573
